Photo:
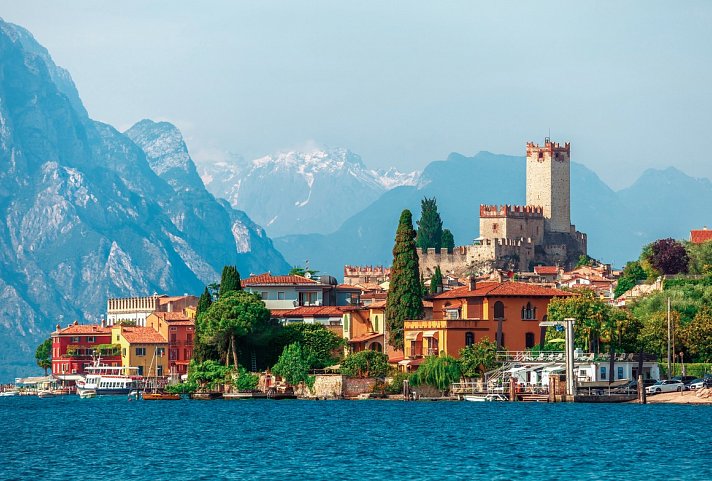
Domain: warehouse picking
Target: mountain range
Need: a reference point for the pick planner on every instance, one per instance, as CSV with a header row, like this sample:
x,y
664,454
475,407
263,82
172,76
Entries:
x,y
301,192
89,212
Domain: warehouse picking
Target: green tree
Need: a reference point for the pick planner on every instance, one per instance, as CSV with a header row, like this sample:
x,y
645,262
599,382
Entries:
x,y
245,381
697,335
405,295
437,371
585,260
204,302
436,280
302,271
43,355
631,275
235,315
430,226
318,343
592,316
293,364
207,375
365,364
700,257
477,359
230,280
448,241
654,333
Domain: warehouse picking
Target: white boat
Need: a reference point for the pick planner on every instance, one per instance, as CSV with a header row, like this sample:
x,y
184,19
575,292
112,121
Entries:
x,y
9,393
87,394
484,397
45,394
108,380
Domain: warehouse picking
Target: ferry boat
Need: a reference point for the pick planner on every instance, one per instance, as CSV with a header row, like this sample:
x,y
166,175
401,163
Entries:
x,y
108,380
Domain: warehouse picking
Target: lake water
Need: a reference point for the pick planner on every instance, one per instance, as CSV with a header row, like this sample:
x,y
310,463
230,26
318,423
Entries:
x,y
111,438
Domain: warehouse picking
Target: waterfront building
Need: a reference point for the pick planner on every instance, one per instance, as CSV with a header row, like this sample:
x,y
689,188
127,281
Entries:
x,y
508,313
137,309
143,348
178,328
292,291
75,347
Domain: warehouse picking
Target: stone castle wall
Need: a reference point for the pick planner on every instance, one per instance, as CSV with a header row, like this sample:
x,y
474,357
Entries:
x,y
549,183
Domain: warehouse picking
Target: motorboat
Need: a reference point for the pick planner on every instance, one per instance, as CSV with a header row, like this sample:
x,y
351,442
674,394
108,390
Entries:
x,y
108,380
160,396
492,397
45,394
10,393
87,394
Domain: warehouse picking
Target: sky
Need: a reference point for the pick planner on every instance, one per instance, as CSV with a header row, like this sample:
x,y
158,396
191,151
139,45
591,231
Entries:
x,y
401,83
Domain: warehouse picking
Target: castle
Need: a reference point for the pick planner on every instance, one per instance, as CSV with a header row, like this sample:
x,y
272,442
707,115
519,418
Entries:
x,y
517,237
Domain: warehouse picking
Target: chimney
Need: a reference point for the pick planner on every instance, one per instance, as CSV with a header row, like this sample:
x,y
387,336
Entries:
x,y
103,322
472,283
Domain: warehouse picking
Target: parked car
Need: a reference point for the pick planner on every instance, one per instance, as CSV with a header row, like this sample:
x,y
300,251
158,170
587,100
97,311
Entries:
x,y
633,384
684,379
665,386
697,384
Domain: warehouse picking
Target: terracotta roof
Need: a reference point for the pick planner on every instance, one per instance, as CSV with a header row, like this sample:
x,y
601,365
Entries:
x,y
700,236
188,322
317,311
172,316
348,287
496,289
546,270
141,335
377,305
78,329
364,338
165,299
269,279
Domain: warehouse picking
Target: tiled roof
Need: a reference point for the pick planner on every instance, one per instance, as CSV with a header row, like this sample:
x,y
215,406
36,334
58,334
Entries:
x,y
172,316
546,270
365,337
79,329
700,236
141,335
269,279
165,300
317,311
504,289
348,287
377,305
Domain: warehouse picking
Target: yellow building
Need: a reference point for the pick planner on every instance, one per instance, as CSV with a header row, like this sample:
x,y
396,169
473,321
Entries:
x,y
143,348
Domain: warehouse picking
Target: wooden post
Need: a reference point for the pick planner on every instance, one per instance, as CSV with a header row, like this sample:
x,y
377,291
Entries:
x,y
512,389
641,390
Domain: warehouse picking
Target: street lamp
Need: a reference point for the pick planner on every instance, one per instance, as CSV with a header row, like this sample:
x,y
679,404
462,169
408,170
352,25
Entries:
x,y
569,354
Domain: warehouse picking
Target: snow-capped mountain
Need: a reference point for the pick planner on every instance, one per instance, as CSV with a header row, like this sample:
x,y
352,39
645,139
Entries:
x,y
87,214
301,192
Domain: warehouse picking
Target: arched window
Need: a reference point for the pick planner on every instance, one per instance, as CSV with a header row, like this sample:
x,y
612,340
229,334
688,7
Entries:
x,y
469,338
528,312
499,310
376,346
529,340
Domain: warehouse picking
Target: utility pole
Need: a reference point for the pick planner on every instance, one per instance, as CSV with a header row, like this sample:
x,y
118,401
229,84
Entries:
x,y
669,335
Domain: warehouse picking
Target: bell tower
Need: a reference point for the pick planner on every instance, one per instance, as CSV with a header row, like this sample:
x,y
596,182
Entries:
x,y
549,183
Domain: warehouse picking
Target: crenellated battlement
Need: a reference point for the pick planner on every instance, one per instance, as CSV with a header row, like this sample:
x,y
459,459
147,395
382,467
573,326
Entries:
x,y
512,211
548,146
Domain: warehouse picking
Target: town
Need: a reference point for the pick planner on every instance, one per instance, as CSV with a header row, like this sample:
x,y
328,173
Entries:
x,y
521,314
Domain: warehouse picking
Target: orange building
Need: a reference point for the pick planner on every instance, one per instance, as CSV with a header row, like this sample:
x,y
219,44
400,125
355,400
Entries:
x,y
508,313
178,328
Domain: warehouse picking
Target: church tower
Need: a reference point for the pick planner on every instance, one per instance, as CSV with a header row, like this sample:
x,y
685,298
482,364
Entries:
x,y
549,183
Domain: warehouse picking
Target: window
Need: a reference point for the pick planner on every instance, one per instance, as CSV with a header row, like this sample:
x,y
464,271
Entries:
x,y
264,295
160,351
123,352
280,295
620,372
140,370
529,340
432,346
376,346
76,339
91,339
469,338
498,310
174,337
603,373
159,370
528,312
375,323
452,314
189,338
140,351
173,354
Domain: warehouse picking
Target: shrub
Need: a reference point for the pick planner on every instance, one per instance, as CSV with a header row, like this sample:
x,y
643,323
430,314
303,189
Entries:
x,y
365,364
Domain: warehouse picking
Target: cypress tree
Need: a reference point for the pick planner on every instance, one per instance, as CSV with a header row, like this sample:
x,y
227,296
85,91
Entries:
x,y
430,226
230,280
204,302
436,281
404,300
448,240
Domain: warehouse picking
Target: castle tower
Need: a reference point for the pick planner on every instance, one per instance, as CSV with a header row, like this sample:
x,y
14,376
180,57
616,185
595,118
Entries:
x,y
548,183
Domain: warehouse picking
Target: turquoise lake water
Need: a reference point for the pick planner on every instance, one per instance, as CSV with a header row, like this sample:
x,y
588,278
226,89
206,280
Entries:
x,y
111,438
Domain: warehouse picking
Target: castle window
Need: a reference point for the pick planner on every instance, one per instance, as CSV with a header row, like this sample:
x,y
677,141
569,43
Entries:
x,y
495,228
499,310
528,312
469,338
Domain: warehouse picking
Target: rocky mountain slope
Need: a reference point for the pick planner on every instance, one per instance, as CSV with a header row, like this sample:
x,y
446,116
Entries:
x,y
660,204
86,214
301,192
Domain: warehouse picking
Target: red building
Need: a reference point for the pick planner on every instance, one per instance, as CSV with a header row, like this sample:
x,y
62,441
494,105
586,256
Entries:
x,y
75,347
179,329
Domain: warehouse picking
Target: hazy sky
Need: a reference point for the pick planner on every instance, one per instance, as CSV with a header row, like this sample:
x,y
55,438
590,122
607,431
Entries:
x,y
400,82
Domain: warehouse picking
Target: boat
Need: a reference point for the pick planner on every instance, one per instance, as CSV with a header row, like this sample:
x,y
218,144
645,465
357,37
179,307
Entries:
x,y
45,394
108,380
10,393
484,397
87,394
160,396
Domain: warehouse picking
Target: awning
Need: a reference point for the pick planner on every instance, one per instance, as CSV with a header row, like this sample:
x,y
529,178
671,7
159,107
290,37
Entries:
x,y
364,338
430,334
412,335
411,362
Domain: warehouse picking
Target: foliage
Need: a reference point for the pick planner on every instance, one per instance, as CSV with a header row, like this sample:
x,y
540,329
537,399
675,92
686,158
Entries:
x,y
365,364
207,375
107,349
318,343
430,226
302,271
632,274
230,280
592,316
43,355
698,369
245,381
404,299
653,336
396,384
437,371
697,335
293,364
204,302
235,315
436,281
700,258
624,285
477,359
585,260
448,241
125,322
669,256
182,388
